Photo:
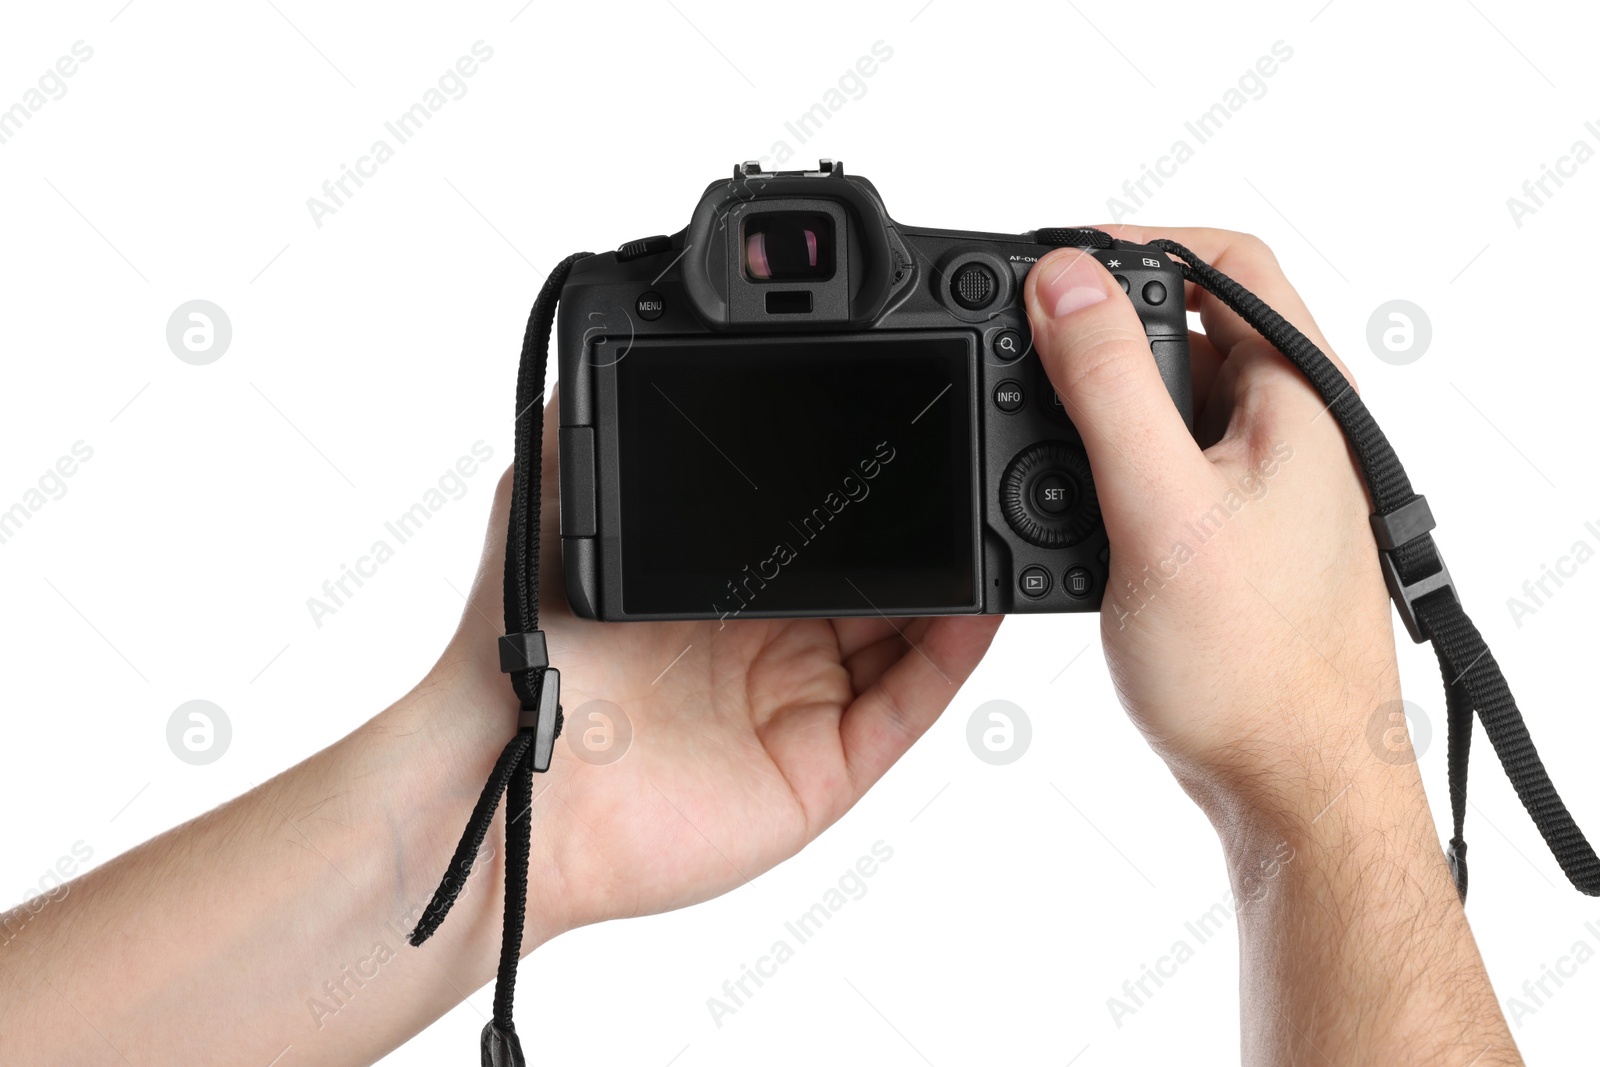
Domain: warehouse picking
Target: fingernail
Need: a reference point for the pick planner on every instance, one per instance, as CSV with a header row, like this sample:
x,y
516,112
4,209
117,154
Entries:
x,y
1075,281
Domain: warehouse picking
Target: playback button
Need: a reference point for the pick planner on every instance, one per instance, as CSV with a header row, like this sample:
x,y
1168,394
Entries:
x,y
1034,582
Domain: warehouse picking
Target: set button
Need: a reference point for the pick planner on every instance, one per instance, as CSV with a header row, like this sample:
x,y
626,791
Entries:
x,y
1054,493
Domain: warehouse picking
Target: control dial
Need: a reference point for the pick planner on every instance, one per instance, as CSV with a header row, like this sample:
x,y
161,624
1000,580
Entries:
x,y
1047,495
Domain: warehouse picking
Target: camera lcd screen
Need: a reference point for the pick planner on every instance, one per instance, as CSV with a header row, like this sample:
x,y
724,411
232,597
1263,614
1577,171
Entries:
x,y
781,476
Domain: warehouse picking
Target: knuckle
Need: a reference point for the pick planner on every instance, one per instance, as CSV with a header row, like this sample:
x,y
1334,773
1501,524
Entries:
x,y
898,720
1251,247
1101,362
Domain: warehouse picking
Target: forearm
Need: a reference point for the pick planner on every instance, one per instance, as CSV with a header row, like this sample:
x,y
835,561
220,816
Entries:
x,y
278,919
1354,947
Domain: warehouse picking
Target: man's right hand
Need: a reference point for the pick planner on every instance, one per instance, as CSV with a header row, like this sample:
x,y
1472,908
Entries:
x,y
1248,632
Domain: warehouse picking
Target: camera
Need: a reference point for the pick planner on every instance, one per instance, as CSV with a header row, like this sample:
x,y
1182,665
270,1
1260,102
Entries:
x,y
799,407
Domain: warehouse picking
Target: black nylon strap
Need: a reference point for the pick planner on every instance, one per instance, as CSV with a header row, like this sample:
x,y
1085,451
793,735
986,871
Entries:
x,y
1473,680
1480,684
522,657
1458,712
522,543
477,829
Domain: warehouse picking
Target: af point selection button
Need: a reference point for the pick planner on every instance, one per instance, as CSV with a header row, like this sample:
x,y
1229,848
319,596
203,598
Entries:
x,y
1034,582
649,306
1008,396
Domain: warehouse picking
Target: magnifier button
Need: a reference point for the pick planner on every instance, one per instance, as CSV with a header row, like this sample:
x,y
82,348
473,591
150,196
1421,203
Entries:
x,y
1009,345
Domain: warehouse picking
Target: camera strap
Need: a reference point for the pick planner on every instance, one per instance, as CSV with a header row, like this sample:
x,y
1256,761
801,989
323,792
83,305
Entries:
x,y
1415,573
523,656
1423,593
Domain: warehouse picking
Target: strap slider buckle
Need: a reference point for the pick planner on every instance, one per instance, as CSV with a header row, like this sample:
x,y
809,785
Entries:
x,y
523,652
1395,530
544,719
528,652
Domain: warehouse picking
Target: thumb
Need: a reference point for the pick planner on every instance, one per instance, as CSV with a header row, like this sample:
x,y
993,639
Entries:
x,y
1096,354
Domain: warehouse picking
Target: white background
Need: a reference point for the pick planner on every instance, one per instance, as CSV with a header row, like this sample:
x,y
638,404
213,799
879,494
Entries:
x,y
369,353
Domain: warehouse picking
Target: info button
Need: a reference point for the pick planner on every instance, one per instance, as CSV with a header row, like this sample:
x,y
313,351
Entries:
x,y
1008,396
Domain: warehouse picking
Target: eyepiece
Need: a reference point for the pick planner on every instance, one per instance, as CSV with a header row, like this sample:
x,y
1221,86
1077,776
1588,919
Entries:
x,y
788,246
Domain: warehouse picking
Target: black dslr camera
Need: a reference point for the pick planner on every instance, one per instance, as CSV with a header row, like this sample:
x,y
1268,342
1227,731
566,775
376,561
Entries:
x,y
799,407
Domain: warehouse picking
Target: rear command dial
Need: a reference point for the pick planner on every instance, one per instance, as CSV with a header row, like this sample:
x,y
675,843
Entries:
x,y
1048,496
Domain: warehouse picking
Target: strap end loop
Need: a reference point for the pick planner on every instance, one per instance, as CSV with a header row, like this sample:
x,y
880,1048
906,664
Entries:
x,y
1456,856
499,1048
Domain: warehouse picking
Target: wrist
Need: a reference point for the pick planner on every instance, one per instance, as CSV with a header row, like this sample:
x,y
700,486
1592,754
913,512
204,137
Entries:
x,y
1291,745
439,744
1329,818
1334,764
